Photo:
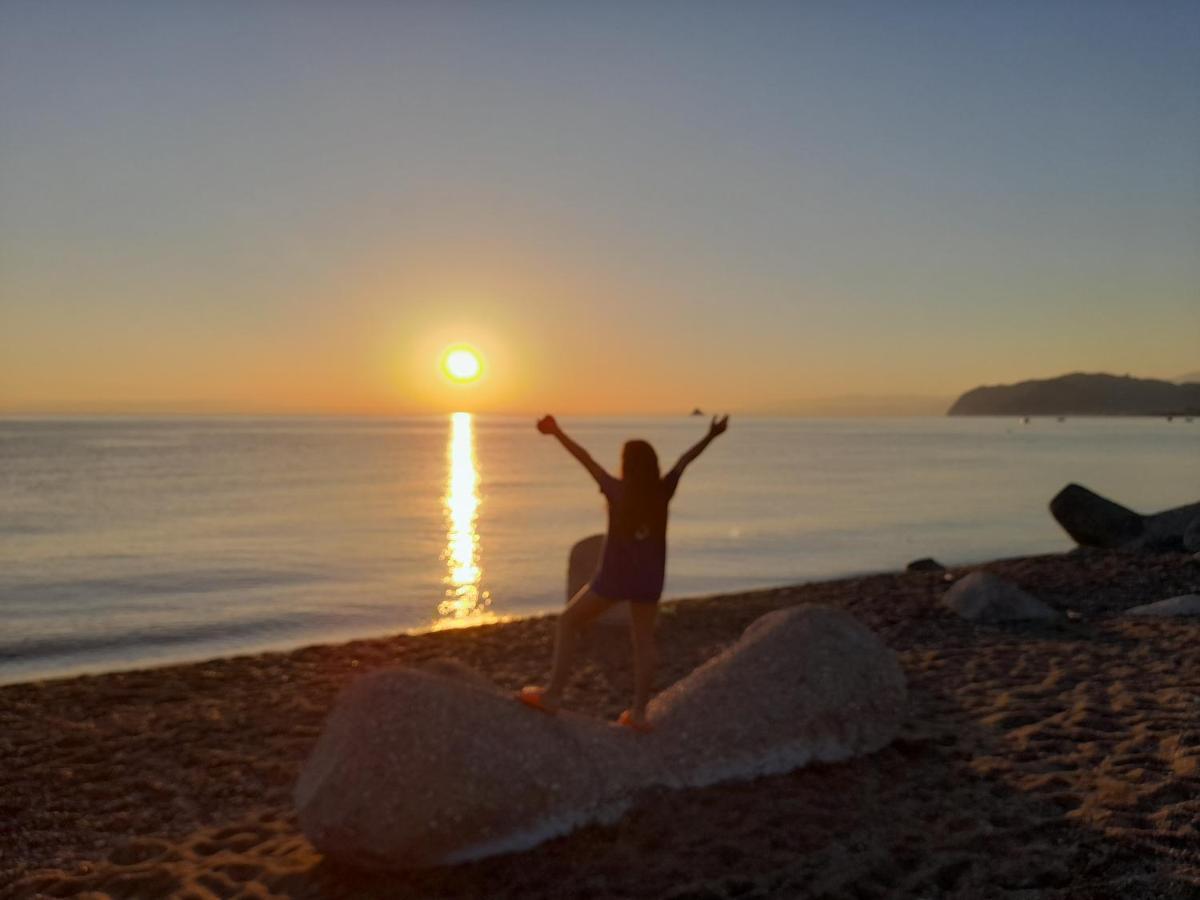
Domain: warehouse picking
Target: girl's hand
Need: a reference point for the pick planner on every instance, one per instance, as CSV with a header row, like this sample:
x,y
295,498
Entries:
x,y
547,425
718,426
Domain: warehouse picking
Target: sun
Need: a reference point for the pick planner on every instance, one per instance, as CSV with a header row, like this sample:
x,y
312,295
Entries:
x,y
462,364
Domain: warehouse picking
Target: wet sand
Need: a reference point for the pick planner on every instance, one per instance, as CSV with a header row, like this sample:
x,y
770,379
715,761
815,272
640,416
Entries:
x,y
1056,761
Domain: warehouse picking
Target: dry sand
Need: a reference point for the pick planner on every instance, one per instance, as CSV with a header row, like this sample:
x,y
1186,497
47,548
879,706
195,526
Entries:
x,y
1038,761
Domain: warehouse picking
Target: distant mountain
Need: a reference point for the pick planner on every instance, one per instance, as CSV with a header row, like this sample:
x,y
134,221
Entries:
x,y
1079,394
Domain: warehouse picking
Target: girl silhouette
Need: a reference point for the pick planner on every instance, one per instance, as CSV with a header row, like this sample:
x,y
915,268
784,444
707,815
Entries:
x,y
631,568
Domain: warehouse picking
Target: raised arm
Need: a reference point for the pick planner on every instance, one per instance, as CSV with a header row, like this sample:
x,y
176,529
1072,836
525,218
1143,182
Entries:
x,y
547,425
716,427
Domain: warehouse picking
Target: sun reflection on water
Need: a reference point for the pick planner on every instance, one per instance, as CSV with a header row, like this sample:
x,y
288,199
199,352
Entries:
x,y
464,603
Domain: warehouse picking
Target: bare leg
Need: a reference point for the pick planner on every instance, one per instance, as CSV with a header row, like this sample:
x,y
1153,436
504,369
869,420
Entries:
x,y
645,656
584,607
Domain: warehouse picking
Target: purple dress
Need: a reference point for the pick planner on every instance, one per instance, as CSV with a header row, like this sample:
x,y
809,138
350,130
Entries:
x,y
634,561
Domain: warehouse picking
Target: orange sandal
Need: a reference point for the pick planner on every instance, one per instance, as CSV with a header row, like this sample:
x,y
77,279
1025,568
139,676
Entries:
x,y
534,697
627,720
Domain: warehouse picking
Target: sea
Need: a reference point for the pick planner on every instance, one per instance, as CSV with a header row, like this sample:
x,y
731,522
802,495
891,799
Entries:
x,y
134,542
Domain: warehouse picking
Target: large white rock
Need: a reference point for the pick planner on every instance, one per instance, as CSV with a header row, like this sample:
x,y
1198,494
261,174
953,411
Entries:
x,y
1183,605
415,768
983,597
810,684
420,768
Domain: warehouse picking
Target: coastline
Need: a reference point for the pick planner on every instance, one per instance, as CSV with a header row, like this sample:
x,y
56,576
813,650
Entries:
x,y
1056,760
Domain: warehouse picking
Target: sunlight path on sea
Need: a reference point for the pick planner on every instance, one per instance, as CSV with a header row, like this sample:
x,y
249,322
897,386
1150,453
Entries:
x,y
464,602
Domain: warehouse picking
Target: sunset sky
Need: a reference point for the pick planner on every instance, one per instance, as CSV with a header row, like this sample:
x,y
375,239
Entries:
x,y
625,207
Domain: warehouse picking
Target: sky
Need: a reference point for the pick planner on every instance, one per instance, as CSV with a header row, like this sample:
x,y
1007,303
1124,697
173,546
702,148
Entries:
x,y
626,207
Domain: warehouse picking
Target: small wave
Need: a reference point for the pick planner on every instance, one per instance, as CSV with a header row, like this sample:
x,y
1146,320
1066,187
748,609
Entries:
x,y
196,581
55,647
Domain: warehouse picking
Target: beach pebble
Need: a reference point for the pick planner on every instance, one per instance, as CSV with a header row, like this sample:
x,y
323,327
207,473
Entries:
x,y
983,597
1183,605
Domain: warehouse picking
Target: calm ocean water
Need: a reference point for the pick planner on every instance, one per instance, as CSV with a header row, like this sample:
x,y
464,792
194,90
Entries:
x,y
128,542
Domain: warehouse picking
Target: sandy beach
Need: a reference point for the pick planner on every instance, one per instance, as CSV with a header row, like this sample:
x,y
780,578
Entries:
x,y
1042,760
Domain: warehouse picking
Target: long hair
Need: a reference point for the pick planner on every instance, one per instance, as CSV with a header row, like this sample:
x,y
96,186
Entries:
x,y
644,509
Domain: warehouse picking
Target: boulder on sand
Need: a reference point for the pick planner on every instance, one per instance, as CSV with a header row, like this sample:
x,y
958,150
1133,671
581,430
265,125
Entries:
x,y
1191,536
810,684
1094,521
605,640
583,563
1183,605
419,768
983,597
414,768
925,564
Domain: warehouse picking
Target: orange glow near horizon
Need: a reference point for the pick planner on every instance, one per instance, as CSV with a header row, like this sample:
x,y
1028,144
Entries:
x,y
464,603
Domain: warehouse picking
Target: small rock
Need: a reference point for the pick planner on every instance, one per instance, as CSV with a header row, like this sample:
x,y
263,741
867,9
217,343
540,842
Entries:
x,y
983,597
1191,536
925,564
1183,605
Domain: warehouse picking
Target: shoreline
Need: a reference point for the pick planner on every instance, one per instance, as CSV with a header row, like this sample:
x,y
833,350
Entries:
x,y
286,647
1044,757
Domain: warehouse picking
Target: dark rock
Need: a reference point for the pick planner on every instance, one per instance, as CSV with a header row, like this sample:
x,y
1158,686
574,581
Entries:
x,y
925,564
1094,521
1191,536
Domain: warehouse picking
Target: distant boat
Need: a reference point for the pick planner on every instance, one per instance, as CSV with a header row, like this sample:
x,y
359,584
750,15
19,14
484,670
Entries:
x,y
697,411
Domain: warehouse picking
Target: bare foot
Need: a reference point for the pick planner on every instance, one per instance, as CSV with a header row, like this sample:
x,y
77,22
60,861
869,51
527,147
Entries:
x,y
538,698
634,722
